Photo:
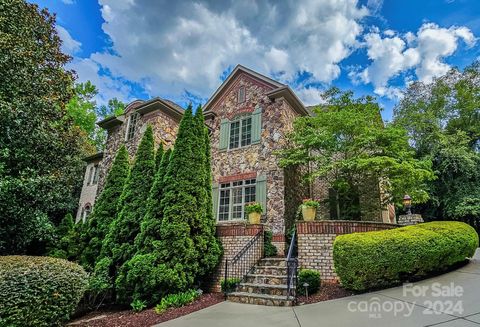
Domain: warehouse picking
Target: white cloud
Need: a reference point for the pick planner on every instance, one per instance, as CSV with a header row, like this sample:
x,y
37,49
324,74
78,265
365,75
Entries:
x,y
170,47
310,96
68,2
69,44
424,52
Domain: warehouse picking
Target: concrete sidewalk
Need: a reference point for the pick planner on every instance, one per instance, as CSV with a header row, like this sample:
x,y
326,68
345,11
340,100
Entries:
x,y
450,300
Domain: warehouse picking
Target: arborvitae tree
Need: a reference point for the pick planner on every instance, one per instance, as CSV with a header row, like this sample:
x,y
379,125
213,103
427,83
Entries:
x,y
159,156
203,230
105,210
67,239
137,277
118,245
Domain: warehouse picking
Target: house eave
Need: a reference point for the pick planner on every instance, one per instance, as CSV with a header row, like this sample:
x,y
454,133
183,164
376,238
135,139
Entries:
x,y
290,96
110,122
94,157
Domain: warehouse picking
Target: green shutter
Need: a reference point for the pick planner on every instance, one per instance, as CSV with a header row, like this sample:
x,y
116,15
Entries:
x,y
256,125
215,200
261,192
224,134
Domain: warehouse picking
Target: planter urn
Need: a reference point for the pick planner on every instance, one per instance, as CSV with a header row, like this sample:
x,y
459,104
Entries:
x,y
254,218
309,213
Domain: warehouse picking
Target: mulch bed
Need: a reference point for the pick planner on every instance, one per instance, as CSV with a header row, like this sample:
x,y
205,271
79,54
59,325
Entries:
x,y
146,317
328,291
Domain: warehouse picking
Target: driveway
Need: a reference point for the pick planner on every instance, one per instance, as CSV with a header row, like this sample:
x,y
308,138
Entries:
x,y
449,300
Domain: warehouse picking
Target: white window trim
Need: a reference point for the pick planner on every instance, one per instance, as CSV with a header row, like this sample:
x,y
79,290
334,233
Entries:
x,y
230,205
240,119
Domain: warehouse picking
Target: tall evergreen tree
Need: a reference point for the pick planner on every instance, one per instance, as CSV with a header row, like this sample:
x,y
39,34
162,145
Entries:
x,y
138,278
203,230
105,209
118,245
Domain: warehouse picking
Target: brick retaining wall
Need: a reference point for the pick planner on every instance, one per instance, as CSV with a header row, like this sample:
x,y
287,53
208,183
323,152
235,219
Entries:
x,y
315,242
233,238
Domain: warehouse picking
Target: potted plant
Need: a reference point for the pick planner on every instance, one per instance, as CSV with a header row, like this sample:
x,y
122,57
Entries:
x,y
309,209
254,211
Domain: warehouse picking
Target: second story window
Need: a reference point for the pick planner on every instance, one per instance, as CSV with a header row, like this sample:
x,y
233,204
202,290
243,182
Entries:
x,y
241,95
132,123
240,133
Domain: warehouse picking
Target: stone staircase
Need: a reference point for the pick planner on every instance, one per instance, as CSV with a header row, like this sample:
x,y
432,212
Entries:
x,y
266,285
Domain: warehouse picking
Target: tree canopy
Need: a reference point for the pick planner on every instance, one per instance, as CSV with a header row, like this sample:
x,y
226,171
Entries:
x,y
347,143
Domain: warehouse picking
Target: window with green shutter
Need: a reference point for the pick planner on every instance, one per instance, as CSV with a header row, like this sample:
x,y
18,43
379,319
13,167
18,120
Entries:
x,y
261,192
232,197
241,132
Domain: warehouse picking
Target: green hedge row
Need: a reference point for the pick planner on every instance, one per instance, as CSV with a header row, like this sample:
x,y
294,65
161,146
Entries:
x,y
39,291
380,259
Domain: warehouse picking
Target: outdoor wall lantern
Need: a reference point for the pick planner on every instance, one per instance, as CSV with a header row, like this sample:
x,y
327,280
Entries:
x,y
407,204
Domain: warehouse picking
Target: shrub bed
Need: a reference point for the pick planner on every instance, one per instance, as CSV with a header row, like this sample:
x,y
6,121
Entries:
x,y
312,278
39,291
371,260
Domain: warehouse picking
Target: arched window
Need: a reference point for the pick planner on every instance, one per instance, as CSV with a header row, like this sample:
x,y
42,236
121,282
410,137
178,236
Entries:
x,y
87,210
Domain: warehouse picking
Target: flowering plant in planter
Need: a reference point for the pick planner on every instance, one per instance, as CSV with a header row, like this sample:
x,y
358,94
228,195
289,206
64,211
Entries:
x,y
309,209
254,211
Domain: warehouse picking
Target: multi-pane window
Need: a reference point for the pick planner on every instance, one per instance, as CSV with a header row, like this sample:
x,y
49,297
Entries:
x,y
132,123
241,95
95,175
233,197
240,133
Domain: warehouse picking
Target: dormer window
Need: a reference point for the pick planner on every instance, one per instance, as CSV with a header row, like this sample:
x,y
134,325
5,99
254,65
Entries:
x,y
132,123
241,95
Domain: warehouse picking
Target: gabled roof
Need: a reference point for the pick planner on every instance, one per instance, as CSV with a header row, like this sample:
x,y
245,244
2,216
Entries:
x,y
280,90
168,107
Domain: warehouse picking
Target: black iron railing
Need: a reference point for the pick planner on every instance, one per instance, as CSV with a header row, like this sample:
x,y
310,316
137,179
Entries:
x,y
292,267
237,268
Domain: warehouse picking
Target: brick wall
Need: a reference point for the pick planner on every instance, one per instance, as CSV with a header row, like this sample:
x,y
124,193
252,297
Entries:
x,y
234,236
315,242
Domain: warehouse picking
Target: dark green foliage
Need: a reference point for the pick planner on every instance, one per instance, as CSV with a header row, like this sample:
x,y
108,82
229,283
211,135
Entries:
x,y
371,260
176,300
443,123
159,156
119,242
230,284
105,210
67,243
269,250
138,305
312,278
39,291
40,147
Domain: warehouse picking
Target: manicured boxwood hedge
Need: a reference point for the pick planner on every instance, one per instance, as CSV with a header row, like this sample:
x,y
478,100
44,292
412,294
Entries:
x,y
371,260
39,291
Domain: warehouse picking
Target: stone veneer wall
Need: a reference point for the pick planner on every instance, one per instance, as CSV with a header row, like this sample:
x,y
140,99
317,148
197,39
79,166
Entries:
x,y
233,238
315,242
259,159
164,131
89,191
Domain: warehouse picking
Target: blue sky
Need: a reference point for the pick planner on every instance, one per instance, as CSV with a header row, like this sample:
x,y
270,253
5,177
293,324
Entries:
x,y
182,50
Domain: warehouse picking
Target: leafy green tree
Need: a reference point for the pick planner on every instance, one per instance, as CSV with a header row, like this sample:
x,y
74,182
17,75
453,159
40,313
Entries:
x,y
443,122
114,107
118,245
347,144
159,157
105,210
40,147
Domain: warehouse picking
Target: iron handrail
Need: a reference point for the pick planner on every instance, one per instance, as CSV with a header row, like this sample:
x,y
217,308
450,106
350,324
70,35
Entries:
x,y
243,262
292,267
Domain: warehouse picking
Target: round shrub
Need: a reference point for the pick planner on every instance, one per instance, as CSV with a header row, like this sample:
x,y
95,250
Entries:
x,y
372,260
39,291
312,278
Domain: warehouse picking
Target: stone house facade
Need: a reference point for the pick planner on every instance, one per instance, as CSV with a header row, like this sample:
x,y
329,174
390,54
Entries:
x,y
249,117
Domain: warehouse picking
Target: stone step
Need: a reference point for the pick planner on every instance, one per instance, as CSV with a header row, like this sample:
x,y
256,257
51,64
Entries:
x,y
266,279
279,262
262,289
270,270
260,299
